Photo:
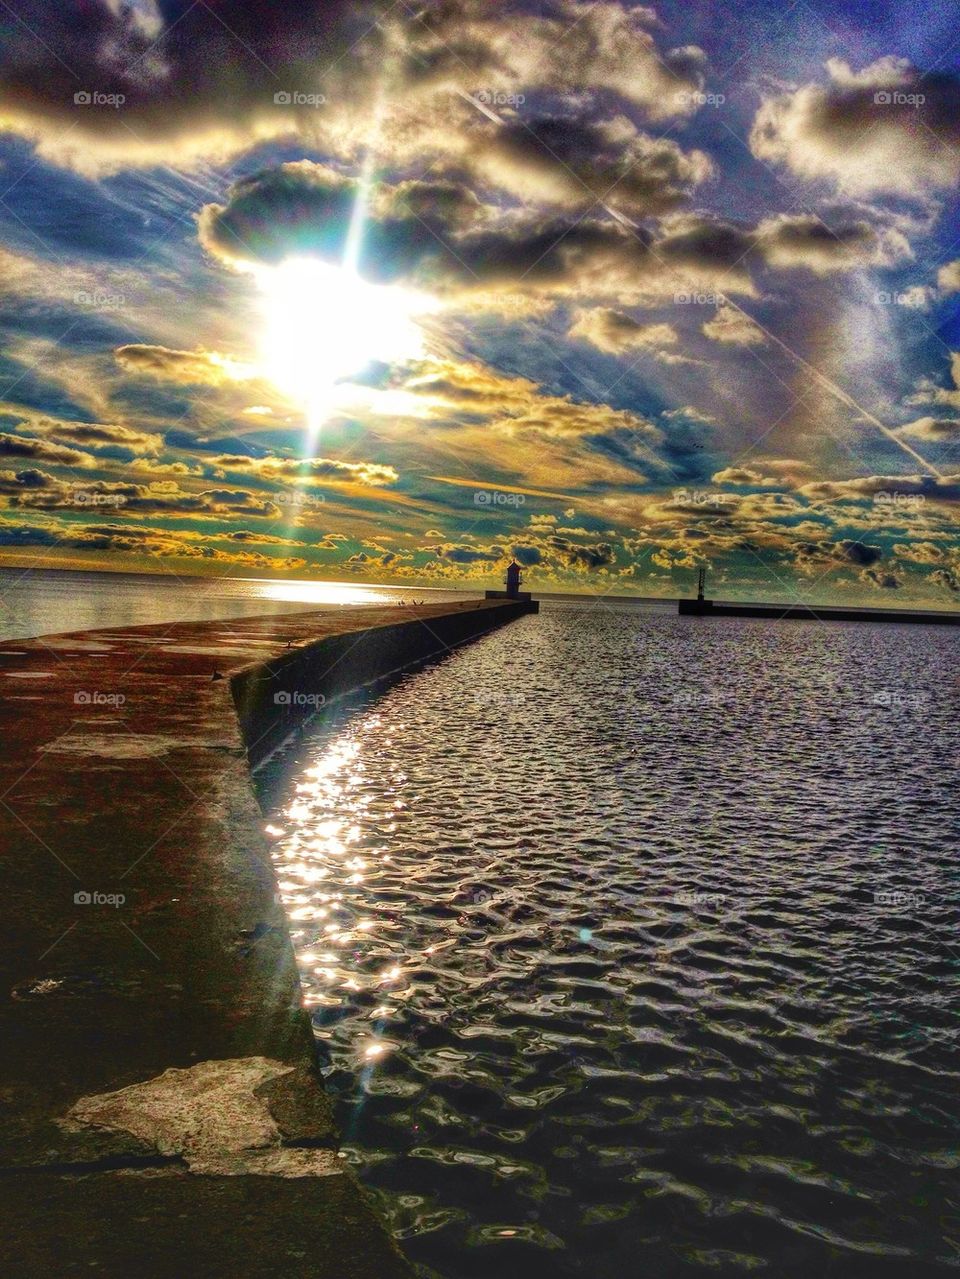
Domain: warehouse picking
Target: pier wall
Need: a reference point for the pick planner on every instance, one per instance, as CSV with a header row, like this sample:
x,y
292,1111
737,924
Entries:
x,y
274,698
160,1108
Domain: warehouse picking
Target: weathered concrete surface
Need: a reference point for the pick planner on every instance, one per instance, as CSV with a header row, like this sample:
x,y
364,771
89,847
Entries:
x,y
161,1111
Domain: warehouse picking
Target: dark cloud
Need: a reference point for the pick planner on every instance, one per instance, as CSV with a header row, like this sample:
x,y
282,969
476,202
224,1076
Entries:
x,y
194,77
577,161
943,577
882,581
846,551
574,555
41,451
470,554
527,555
886,129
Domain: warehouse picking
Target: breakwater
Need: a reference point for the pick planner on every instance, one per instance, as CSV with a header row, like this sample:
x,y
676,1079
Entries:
x,y
162,1108
816,613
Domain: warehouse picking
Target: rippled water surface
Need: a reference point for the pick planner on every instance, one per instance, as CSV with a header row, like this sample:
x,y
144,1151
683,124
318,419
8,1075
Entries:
x,y
631,941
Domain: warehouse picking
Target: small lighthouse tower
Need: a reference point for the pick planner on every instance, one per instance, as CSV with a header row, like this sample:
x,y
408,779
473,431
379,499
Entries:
x,y
512,591
701,604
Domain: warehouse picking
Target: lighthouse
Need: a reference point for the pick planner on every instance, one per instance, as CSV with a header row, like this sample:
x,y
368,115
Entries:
x,y
512,591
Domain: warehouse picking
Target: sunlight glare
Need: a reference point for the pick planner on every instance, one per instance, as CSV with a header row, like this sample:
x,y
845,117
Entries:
x,y
324,323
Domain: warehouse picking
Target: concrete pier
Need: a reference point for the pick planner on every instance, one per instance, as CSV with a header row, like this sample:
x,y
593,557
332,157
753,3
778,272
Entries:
x,y
161,1110
816,613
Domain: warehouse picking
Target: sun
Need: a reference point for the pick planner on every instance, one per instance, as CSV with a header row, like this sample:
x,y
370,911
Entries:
x,y
323,324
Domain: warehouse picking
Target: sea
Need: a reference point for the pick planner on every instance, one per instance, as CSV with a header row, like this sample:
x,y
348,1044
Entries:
x,y
631,941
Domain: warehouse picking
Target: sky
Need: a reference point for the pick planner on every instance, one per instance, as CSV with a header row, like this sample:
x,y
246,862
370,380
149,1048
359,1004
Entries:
x,y
398,292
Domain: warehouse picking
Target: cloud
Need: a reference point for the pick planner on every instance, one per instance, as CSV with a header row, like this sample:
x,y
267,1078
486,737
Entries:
x,y
733,328
571,47
575,161
810,555
42,451
881,580
933,428
303,207
527,555
459,554
188,368
887,129
790,241
943,577
95,435
194,82
944,488
574,555
308,469
614,332
37,489
948,277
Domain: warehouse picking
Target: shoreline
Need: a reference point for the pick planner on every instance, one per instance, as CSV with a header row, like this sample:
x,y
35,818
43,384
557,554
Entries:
x,y
161,1081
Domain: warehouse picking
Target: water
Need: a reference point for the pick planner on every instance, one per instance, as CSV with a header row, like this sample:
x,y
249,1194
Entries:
x,y
631,944
46,601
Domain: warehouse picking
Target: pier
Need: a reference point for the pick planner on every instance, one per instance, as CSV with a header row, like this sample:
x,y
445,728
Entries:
x,y
163,1112
798,611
